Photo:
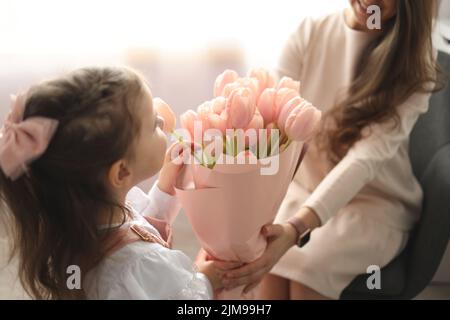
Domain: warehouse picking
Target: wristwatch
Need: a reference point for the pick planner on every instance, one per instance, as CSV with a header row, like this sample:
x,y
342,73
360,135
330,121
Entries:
x,y
303,232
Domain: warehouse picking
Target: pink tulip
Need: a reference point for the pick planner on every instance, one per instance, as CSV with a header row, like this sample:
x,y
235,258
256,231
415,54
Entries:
x,y
226,77
188,120
203,112
204,118
269,128
286,110
224,114
250,83
240,108
284,95
288,83
303,122
265,79
165,112
255,124
266,105
257,121
218,105
218,122
229,88
205,108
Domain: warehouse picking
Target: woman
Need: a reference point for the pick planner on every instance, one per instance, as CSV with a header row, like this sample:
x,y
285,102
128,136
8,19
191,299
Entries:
x,y
355,188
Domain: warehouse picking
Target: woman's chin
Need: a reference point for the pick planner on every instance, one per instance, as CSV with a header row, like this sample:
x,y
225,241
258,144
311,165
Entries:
x,y
360,13
357,21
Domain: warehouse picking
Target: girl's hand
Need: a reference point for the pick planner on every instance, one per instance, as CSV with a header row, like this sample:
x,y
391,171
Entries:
x,y
280,238
173,162
214,270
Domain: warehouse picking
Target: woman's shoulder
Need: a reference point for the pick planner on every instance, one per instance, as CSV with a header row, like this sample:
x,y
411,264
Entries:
x,y
321,30
316,25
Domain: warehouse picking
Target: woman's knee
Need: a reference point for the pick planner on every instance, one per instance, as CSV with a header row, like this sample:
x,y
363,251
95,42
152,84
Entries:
x,y
298,291
273,287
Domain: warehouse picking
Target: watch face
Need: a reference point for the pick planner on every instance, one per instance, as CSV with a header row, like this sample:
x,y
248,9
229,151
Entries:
x,y
304,238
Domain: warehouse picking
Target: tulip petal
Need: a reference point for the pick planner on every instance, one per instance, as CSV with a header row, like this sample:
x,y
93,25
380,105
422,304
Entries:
x,y
164,111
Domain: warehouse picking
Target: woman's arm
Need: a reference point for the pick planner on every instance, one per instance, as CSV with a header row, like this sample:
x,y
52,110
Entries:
x,y
364,159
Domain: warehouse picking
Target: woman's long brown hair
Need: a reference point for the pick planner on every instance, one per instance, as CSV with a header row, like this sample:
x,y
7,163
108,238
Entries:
x,y
392,68
56,205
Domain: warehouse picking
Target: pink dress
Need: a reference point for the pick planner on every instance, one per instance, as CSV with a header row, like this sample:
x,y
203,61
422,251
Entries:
x,y
370,200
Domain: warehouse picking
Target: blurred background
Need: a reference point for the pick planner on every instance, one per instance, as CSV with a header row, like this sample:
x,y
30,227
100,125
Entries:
x,y
180,47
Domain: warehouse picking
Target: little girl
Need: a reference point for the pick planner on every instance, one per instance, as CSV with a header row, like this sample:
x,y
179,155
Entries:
x,y
71,151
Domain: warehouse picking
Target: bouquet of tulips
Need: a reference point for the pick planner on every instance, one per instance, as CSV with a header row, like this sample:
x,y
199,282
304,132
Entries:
x,y
255,105
249,140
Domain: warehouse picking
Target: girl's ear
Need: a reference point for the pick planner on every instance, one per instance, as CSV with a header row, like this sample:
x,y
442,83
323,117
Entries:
x,y
119,174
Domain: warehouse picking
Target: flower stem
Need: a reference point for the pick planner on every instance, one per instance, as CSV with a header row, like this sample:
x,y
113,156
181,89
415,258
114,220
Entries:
x,y
180,139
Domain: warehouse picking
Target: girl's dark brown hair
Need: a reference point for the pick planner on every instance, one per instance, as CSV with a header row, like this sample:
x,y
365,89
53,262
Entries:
x,y
57,205
392,68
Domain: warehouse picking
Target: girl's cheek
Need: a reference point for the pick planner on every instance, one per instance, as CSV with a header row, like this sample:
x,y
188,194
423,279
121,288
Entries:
x,y
162,138
162,143
155,153
156,147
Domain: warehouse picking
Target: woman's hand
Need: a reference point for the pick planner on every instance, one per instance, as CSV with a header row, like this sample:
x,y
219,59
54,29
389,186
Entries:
x,y
280,238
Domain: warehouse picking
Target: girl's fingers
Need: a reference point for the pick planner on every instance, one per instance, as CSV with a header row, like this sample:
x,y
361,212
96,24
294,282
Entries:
x,y
174,150
180,152
175,153
175,145
248,269
201,256
237,282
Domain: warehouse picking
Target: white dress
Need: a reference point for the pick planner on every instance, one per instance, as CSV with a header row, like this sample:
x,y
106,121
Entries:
x,y
143,270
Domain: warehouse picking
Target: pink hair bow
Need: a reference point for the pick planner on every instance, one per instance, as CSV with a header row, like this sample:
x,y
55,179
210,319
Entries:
x,y
21,142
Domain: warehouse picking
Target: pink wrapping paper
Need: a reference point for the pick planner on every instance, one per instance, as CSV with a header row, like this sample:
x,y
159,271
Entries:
x,y
228,205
